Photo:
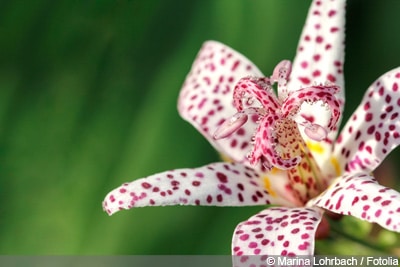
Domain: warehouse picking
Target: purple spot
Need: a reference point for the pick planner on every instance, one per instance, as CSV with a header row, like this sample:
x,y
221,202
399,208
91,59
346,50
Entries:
x,y
222,177
244,237
146,185
339,202
253,245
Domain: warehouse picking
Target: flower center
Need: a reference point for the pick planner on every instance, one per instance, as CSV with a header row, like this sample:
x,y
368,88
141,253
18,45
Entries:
x,y
277,141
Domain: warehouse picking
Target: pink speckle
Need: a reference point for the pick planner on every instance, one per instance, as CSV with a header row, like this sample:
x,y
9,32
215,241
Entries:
x,y
334,29
319,39
222,177
305,80
317,57
331,13
253,245
304,246
331,78
244,237
146,185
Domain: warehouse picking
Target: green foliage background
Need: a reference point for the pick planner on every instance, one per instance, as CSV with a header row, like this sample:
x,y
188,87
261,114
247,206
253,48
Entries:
x,y
88,95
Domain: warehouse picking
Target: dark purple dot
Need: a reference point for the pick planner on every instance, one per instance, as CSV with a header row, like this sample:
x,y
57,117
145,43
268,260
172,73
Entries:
x,y
222,177
146,185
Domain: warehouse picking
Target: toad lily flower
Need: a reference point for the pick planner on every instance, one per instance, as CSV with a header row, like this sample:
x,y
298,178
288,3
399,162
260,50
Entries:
x,y
282,150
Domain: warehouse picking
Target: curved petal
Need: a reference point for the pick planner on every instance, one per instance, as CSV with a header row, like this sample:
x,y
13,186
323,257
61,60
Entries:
x,y
326,94
361,196
319,59
374,128
277,231
259,89
206,98
217,184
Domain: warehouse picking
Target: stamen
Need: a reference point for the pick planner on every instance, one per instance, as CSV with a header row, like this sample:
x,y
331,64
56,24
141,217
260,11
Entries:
x,y
229,126
315,132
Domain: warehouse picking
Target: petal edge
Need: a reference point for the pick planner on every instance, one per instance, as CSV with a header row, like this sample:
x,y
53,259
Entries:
x,y
361,196
373,130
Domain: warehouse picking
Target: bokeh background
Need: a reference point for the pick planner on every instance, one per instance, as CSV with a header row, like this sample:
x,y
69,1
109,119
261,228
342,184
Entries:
x,y
88,94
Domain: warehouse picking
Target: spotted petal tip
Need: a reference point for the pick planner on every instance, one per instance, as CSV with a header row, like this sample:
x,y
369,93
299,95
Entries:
x,y
320,53
217,184
360,195
277,231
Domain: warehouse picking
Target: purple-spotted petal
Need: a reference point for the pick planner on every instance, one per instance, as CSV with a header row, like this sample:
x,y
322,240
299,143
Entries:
x,y
206,99
320,52
361,196
277,231
374,128
217,184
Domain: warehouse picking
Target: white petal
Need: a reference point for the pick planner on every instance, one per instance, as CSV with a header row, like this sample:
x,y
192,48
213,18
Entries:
x,y
361,196
278,232
217,184
206,98
373,131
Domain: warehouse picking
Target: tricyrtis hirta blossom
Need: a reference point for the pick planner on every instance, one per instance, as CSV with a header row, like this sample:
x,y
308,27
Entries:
x,y
282,149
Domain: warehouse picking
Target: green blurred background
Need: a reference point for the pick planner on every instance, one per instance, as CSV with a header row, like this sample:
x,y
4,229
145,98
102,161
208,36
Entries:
x,y
88,95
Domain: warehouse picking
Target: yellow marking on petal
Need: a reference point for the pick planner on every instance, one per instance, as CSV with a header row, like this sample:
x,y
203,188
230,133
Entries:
x,y
336,165
267,185
274,170
225,158
315,147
